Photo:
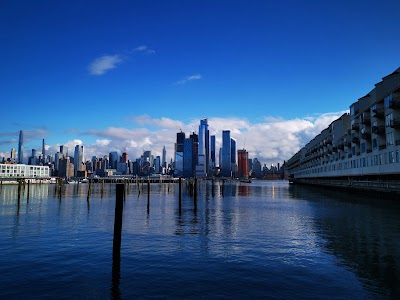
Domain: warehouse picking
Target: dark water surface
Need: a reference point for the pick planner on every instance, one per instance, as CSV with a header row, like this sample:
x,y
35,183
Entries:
x,y
260,240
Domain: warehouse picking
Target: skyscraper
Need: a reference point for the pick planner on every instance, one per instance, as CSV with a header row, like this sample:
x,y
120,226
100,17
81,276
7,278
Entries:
x,y
243,163
164,158
180,139
113,157
13,156
203,161
78,159
233,157
226,154
212,152
64,150
43,152
21,148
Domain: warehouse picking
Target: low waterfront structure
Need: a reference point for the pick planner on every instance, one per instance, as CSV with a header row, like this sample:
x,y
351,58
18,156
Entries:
x,y
15,171
361,145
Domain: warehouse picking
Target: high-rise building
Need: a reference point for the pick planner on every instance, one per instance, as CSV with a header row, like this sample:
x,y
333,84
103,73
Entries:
x,y
124,157
256,168
243,163
188,158
64,150
43,152
164,158
66,168
78,159
226,154
13,156
157,165
113,158
203,157
21,148
179,147
233,157
212,152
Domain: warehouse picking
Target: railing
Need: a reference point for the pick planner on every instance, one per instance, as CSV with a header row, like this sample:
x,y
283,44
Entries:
x,y
378,113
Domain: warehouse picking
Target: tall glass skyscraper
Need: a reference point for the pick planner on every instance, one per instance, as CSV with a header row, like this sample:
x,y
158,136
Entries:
x,y
21,148
226,154
78,159
164,158
179,146
212,152
203,161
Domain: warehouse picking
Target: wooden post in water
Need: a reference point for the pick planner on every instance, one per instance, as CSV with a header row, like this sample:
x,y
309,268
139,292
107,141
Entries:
x,y
19,189
102,187
27,196
116,265
195,193
180,195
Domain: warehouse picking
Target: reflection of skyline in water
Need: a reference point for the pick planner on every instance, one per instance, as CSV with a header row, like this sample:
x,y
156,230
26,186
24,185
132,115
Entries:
x,y
291,233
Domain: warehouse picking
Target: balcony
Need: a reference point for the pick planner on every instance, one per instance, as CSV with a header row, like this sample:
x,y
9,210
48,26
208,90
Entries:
x,y
356,140
355,127
348,144
395,123
350,156
366,136
395,103
380,130
341,146
369,150
397,142
366,121
335,149
378,113
382,147
358,153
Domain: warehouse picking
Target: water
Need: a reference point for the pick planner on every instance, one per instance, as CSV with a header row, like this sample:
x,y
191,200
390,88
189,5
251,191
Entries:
x,y
260,240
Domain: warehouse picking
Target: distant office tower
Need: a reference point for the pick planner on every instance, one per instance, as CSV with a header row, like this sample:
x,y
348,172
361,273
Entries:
x,y
43,152
188,158
78,159
203,158
21,148
124,157
64,150
212,152
13,156
233,157
157,165
257,168
113,157
66,168
164,158
243,163
226,154
179,147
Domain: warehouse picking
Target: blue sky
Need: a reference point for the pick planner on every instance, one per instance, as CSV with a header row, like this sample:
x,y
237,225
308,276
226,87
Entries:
x,y
128,74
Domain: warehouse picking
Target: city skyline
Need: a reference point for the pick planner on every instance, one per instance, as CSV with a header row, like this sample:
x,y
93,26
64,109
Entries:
x,y
130,75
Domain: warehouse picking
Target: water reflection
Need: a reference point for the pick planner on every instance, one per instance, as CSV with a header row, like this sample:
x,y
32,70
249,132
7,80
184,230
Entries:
x,y
362,231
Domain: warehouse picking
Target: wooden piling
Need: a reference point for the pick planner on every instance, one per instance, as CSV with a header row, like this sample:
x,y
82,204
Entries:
x,y
116,265
27,196
180,194
119,207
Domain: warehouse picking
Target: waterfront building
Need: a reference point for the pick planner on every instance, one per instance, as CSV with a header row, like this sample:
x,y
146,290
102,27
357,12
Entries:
x,y
13,155
179,148
32,160
243,163
21,148
157,165
364,144
124,157
203,156
78,158
226,159
23,171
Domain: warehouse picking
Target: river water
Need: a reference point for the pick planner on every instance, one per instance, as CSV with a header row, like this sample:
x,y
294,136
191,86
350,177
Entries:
x,y
265,239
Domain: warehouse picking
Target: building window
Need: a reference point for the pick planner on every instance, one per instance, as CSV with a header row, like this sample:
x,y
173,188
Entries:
x,y
397,156
352,110
353,150
387,101
389,120
391,157
373,107
374,144
389,139
363,147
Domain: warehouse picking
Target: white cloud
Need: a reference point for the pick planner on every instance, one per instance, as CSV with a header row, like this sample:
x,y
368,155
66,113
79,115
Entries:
x,y
104,63
144,49
189,78
272,140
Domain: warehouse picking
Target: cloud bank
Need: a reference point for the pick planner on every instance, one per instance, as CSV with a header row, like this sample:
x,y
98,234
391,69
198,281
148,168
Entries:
x,y
271,140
